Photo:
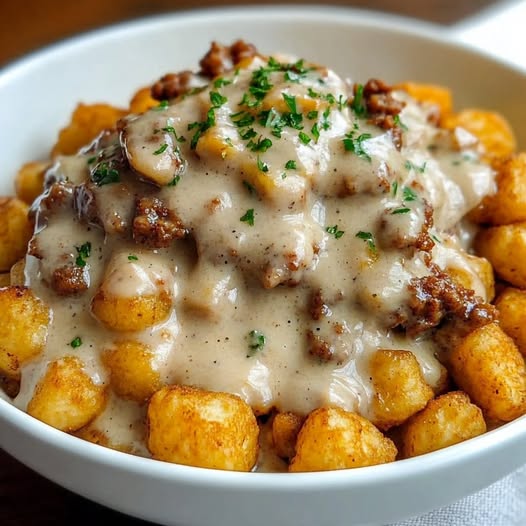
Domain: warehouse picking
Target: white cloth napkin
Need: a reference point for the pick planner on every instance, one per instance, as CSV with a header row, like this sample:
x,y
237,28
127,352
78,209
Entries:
x,y
499,31
501,504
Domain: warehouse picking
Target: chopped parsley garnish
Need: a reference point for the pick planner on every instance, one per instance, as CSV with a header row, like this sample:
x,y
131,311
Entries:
x,y
315,132
250,187
161,149
290,165
132,257
248,217
368,238
245,119
220,82
291,102
394,188
333,230
262,145
83,252
313,114
174,181
162,105
263,167
105,173
201,127
400,211
256,341
91,160
410,166
355,144
399,123
216,99
358,104
248,134
325,123
435,238
76,342
304,138
409,194
171,129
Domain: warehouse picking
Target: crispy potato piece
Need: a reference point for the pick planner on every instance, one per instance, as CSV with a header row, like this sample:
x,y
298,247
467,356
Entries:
x,y
15,231
133,373
23,330
17,272
484,272
440,96
511,304
133,313
446,420
508,204
29,181
87,121
491,129
505,247
332,438
487,365
142,100
400,388
201,428
66,397
285,429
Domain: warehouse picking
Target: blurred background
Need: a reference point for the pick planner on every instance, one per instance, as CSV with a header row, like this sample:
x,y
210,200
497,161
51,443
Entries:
x,y
28,25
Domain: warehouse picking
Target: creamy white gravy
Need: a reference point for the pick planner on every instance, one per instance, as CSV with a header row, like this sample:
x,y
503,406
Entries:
x,y
269,227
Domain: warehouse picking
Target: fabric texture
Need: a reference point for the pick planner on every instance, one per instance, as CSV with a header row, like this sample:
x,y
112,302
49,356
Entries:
x,y
501,504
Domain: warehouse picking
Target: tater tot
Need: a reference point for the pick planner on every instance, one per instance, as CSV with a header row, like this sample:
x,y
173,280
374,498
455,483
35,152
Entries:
x,y
400,388
201,428
66,397
487,365
87,121
133,372
285,429
332,438
29,180
511,304
505,248
15,231
142,101
439,96
446,420
491,129
134,313
508,204
23,330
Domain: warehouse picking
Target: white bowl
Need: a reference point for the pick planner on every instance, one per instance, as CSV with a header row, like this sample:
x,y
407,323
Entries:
x,y
37,96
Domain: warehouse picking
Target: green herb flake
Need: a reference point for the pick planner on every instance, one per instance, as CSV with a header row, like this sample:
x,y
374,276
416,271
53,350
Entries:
x,y
256,342
400,211
161,149
399,123
315,132
163,105
91,160
263,167
216,99
291,102
174,181
131,257
409,194
83,252
220,82
245,119
411,166
290,165
435,238
333,231
313,114
394,188
355,144
325,123
262,145
248,217
201,127
368,238
250,187
358,103
304,138
104,173
76,342
171,129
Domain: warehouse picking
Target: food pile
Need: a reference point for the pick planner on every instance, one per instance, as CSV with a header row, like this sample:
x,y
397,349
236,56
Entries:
x,y
264,266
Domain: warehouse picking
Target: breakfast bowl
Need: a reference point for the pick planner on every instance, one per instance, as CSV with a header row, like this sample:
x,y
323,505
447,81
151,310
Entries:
x,y
109,65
